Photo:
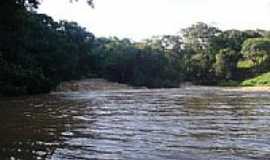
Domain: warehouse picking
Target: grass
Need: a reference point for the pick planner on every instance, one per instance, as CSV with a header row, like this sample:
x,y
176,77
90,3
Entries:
x,y
261,80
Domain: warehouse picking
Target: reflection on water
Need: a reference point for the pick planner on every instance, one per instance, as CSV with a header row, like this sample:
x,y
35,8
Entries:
x,y
189,124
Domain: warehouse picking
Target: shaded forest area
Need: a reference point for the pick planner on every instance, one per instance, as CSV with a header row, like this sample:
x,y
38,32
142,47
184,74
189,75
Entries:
x,y
37,53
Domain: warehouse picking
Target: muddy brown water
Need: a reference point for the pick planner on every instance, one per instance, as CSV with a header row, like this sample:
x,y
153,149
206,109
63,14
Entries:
x,y
197,123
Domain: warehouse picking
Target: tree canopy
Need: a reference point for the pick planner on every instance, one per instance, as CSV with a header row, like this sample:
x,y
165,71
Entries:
x,y
37,53
256,49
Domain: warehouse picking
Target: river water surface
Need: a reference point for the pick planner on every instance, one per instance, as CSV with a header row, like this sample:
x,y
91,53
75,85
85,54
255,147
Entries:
x,y
181,124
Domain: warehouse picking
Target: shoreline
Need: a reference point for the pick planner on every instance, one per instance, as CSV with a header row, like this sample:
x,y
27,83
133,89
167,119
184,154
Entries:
x,y
90,85
248,88
102,85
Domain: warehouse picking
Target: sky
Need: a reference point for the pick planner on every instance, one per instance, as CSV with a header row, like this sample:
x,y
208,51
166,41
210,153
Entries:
x,y
140,19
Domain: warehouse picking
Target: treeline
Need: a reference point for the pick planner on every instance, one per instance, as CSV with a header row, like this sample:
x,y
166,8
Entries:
x,y
37,53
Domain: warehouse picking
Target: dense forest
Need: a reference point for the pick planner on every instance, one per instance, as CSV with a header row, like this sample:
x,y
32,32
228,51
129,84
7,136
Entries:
x,y
37,53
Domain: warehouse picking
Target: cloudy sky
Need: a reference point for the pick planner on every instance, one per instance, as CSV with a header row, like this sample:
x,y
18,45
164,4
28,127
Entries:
x,y
139,19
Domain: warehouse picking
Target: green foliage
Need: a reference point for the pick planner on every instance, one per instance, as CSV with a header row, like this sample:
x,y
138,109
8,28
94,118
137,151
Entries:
x,y
256,49
226,63
41,53
199,36
232,39
200,69
262,80
245,64
124,62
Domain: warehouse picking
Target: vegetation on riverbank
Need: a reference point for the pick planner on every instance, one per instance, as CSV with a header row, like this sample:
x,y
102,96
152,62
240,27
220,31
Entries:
x,y
261,80
37,53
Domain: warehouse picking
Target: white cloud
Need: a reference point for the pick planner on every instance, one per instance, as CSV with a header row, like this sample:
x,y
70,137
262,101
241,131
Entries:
x,y
139,19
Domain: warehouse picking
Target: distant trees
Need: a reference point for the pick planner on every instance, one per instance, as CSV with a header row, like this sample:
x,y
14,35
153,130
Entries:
x,y
37,53
123,61
226,63
203,55
232,39
209,54
199,36
256,49
198,43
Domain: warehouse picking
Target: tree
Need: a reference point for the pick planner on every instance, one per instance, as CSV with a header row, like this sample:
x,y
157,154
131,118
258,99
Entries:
x,y
42,54
226,63
230,39
199,36
256,49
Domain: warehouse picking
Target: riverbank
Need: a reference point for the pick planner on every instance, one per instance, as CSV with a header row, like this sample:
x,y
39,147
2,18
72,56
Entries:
x,y
260,80
90,85
249,89
256,83
102,84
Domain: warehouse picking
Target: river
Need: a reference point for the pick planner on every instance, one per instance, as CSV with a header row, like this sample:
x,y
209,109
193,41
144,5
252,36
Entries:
x,y
197,123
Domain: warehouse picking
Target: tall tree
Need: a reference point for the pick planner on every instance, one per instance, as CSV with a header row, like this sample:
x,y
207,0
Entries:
x,y
199,36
